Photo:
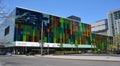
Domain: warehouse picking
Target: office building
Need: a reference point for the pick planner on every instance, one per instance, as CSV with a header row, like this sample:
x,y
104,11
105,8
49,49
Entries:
x,y
114,22
100,27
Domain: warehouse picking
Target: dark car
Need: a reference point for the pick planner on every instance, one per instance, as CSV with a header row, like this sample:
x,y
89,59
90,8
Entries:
x,y
30,53
3,53
117,52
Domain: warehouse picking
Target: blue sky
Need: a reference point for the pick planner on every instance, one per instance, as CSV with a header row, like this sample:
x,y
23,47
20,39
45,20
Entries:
x,y
89,10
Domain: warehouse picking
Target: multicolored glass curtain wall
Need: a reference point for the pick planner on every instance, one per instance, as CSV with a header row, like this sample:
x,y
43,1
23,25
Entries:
x,y
56,29
101,42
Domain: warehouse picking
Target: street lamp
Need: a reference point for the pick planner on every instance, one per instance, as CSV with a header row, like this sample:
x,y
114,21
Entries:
x,y
41,39
91,46
43,18
72,45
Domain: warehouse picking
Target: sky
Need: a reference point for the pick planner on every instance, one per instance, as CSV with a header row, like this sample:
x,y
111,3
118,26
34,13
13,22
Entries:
x,y
88,10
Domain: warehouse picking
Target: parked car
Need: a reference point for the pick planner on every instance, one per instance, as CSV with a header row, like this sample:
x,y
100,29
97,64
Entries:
x,y
30,53
117,52
3,53
9,54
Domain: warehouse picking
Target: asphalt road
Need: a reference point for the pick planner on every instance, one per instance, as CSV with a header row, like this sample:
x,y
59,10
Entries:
x,y
41,61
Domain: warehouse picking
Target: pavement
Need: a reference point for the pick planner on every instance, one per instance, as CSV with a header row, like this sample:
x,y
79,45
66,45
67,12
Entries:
x,y
23,60
89,58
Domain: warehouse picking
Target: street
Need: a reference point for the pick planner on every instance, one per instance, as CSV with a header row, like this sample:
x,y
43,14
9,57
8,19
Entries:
x,y
42,61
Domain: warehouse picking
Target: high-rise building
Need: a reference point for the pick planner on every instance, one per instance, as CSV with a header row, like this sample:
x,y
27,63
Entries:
x,y
100,27
114,22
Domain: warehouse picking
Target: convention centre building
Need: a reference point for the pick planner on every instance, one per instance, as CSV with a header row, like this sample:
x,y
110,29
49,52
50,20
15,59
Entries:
x,y
23,29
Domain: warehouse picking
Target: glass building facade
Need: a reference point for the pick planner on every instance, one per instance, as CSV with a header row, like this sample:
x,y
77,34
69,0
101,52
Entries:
x,y
101,42
56,30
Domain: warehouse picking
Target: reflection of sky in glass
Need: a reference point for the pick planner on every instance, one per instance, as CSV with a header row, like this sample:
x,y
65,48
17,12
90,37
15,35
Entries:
x,y
1,33
9,21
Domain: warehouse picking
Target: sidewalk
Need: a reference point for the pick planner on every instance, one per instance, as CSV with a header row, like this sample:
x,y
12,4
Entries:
x,y
93,58
30,56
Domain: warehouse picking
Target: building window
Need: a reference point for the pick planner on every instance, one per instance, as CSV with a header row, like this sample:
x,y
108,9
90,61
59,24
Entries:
x,y
7,30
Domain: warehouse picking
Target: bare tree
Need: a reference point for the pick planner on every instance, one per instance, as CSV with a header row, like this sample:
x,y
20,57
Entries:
x,y
2,11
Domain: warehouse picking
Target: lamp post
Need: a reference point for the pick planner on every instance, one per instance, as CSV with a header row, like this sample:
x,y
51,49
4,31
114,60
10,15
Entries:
x,y
41,39
43,18
91,46
107,46
72,45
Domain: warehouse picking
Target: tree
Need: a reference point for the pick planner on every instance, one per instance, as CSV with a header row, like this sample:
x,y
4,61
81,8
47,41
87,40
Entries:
x,y
116,41
2,11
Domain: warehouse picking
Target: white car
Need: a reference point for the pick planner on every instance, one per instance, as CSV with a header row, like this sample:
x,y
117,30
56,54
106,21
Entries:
x,y
9,54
